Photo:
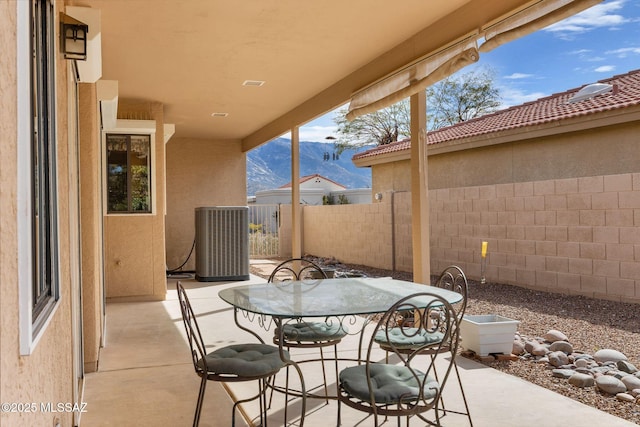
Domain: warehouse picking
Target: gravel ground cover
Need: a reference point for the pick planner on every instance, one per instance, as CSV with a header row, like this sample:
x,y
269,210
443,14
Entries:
x,y
589,324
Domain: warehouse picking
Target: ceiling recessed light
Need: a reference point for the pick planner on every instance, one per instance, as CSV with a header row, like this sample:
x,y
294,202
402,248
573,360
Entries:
x,y
219,114
253,83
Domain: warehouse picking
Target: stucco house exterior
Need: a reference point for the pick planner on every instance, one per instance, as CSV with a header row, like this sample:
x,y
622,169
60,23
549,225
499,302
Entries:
x,y
107,151
552,185
314,190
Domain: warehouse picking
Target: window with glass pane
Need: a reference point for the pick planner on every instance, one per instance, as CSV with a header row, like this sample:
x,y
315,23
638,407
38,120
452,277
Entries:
x,y
43,164
128,173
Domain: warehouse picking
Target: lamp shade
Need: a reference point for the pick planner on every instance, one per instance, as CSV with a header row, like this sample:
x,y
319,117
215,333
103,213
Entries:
x,y
73,38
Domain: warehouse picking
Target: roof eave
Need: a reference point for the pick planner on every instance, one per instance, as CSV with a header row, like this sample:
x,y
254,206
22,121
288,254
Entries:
x,y
394,156
573,124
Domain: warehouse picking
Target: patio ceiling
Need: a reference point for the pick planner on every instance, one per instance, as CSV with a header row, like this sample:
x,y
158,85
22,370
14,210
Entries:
x,y
194,55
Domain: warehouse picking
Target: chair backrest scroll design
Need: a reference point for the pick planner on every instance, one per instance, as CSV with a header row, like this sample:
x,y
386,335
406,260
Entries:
x,y
454,279
194,337
296,269
434,316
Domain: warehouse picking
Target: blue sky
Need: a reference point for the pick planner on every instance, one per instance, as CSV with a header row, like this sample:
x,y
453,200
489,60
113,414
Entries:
x,y
596,44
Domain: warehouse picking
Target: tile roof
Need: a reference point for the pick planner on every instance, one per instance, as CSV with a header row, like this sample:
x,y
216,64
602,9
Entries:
x,y
393,147
625,93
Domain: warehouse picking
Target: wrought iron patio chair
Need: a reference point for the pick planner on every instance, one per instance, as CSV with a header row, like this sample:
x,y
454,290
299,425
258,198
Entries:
x,y
232,363
305,333
408,388
453,279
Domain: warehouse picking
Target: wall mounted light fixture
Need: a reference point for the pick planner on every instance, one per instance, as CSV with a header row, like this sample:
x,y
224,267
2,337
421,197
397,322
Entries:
x,y
378,197
73,38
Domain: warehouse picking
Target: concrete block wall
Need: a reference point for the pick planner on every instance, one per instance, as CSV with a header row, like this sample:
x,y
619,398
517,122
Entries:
x,y
575,235
354,234
285,246
403,238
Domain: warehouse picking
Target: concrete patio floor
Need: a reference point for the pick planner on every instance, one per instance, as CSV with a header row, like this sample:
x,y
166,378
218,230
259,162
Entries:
x,y
146,378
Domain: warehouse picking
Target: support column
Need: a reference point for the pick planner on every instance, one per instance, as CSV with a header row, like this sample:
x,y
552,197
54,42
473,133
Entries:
x,y
92,240
296,213
420,189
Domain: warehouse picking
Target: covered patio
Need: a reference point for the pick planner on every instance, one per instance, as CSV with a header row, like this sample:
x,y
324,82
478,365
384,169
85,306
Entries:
x,y
223,79
178,92
146,376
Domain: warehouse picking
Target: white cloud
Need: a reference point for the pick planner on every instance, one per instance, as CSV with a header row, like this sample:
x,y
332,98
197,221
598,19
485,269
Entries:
x,y
516,76
511,97
319,129
600,15
585,55
317,133
624,52
605,69
580,52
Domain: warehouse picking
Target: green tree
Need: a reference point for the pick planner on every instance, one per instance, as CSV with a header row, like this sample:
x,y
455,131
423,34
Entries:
x,y
460,98
457,98
378,128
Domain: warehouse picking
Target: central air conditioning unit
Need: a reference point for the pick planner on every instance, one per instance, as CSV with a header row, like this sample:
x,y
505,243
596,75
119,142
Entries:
x,y
222,243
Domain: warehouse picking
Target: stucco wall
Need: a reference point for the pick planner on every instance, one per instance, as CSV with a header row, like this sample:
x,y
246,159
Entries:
x,y
393,176
607,150
199,173
602,151
134,256
353,195
45,375
91,220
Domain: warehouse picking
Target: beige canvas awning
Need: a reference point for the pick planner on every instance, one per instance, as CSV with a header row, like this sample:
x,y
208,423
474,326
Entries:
x,y
413,79
532,19
437,66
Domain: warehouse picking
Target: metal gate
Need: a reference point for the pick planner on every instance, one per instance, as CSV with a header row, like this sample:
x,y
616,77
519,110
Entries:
x,y
264,222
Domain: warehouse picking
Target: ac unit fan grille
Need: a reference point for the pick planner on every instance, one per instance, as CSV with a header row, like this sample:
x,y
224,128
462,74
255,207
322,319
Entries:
x,y
222,243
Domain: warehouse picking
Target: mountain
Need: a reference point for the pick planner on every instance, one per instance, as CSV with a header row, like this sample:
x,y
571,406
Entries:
x,y
269,166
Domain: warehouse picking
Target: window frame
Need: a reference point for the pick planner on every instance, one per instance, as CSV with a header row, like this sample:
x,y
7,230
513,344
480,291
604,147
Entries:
x,y
129,174
37,219
131,127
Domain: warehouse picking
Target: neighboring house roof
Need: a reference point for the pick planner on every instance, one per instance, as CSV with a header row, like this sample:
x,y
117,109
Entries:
x,y
306,178
393,147
554,108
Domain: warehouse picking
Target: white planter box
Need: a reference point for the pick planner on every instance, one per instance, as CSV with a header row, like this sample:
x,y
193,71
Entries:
x,y
488,333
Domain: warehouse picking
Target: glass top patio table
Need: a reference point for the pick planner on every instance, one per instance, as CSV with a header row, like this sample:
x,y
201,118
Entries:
x,y
328,297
